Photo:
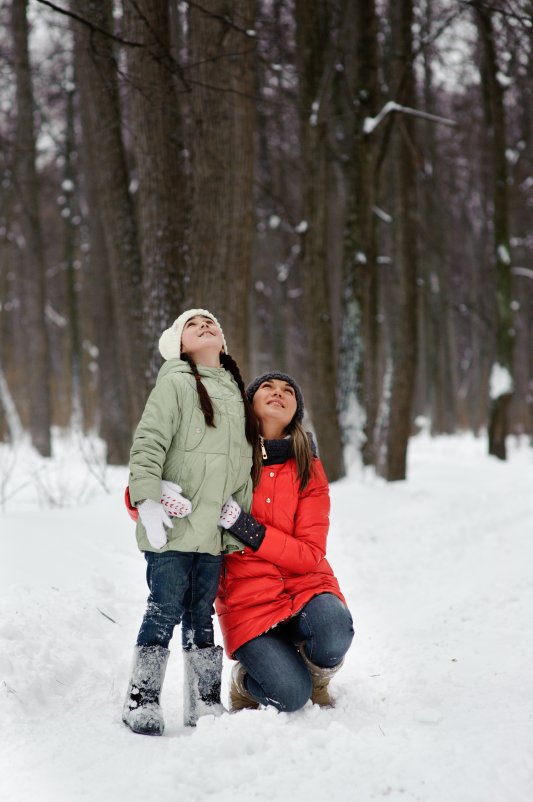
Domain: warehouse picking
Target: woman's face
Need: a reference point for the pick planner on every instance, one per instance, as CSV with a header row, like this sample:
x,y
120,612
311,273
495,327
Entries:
x,y
199,334
274,404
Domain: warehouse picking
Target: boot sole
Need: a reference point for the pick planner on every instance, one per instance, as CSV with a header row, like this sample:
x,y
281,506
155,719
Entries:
x,y
146,731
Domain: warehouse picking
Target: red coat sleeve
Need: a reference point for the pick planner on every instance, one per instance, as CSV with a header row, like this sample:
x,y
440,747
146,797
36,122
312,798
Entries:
x,y
303,549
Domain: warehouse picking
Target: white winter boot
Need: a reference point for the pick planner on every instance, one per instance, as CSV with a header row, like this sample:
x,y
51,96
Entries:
x,y
142,711
201,691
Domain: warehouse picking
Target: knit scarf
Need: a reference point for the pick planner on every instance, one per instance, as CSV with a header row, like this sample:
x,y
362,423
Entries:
x,y
280,451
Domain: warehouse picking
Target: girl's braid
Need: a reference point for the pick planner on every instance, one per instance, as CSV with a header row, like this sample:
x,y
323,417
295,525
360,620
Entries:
x,y
203,395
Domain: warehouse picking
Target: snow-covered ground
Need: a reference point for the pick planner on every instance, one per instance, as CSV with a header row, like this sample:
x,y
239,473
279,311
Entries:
x,y
435,702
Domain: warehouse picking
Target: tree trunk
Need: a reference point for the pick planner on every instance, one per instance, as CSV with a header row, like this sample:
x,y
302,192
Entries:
x,y
314,70
27,184
221,75
440,391
502,389
360,295
112,421
154,127
77,416
404,314
101,123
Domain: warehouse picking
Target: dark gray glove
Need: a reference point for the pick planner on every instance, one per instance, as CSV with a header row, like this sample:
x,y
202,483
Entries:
x,y
248,530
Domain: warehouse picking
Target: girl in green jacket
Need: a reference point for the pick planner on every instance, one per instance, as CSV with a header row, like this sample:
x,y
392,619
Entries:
x,y
192,449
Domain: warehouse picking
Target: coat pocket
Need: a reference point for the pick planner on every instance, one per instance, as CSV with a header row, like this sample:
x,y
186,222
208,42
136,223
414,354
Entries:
x,y
196,431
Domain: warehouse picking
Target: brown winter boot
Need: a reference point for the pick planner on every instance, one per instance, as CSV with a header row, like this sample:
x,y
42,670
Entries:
x,y
239,698
320,676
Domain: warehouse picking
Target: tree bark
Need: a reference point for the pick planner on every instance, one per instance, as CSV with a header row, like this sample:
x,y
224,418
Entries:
x,y
405,268
111,201
112,419
77,414
27,183
154,126
360,295
221,72
500,398
314,70
440,388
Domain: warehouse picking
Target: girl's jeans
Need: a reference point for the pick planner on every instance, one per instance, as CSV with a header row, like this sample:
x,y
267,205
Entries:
x,y
276,673
183,586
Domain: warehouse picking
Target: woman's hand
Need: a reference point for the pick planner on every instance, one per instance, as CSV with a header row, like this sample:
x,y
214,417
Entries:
x,y
174,503
229,513
241,524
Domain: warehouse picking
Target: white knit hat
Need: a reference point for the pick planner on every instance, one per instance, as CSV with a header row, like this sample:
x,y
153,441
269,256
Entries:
x,y
170,340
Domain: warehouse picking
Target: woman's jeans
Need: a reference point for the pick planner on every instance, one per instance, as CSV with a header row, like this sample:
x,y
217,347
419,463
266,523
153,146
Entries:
x,y
183,586
276,673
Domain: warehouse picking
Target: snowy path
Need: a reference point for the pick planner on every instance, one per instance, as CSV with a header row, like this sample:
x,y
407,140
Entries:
x,y
434,703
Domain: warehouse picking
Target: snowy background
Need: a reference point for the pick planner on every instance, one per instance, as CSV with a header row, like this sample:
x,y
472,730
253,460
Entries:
x,y
434,702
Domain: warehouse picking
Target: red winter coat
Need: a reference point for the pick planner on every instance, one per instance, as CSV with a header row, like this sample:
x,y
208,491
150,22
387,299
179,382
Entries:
x,y
259,589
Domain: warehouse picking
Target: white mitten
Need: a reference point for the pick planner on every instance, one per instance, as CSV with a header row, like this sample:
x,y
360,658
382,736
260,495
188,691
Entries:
x,y
229,513
154,520
174,503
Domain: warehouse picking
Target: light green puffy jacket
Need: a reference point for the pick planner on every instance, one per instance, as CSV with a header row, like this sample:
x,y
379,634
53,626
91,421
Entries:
x,y
173,442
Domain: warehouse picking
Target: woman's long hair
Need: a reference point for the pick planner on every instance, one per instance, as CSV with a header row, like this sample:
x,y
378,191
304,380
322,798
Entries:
x,y
251,425
303,453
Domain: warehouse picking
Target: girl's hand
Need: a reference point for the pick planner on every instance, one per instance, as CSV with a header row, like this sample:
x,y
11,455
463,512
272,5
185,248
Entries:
x,y
154,520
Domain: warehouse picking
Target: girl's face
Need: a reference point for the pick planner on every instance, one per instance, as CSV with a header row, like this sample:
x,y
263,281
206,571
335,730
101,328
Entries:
x,y
274,404
201,335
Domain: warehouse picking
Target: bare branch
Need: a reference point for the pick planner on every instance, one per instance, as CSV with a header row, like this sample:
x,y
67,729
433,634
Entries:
x,y
223,18
525,19
522,271
91,25
371,123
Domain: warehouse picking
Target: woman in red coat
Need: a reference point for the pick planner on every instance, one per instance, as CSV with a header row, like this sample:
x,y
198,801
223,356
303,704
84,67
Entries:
x,y
281,611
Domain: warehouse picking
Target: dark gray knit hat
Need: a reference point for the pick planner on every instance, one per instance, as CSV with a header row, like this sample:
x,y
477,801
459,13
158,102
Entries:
x,y
255,385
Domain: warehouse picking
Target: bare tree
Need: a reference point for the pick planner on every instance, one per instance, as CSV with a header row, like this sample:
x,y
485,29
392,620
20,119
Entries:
x,y
156,141
437,357
502,381
27,186
112,422
360,291
221,74
403,310
70,253
315,64
111,203
241,155
115,411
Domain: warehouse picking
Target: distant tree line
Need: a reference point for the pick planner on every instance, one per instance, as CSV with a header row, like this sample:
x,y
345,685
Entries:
x,y
347,184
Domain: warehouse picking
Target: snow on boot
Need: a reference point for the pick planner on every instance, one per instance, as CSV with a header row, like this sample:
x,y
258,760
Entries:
x,y
320,677
201,692
239,698
142,711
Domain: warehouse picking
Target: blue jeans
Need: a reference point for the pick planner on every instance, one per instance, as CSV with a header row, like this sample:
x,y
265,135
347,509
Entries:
x,y
276,673
183,586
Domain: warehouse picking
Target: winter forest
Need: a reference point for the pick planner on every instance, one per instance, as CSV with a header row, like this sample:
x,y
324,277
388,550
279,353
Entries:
x,y
346,183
